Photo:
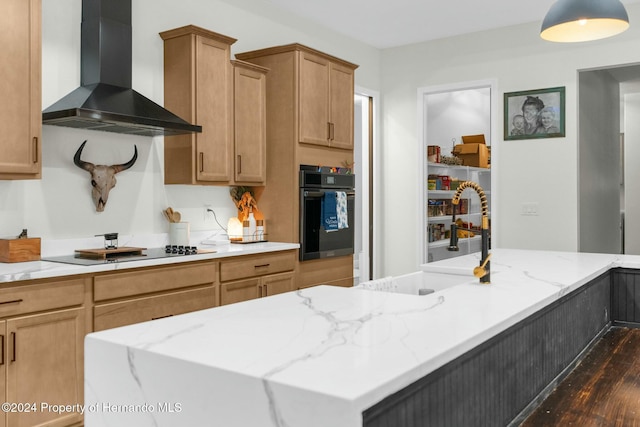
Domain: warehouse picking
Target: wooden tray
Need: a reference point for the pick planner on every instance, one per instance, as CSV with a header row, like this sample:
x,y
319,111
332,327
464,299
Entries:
x,y
102,253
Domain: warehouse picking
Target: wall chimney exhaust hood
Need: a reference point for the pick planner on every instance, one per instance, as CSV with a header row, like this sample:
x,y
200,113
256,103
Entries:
x,y
105,100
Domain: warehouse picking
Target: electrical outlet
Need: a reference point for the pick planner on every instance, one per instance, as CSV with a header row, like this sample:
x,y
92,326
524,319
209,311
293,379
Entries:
x,y
207,215
529,209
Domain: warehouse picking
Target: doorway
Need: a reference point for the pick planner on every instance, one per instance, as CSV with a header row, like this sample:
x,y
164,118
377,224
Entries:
x,y
445,114
365,135
608,150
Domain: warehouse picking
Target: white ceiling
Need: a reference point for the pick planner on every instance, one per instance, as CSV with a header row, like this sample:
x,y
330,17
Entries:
x,y
391,23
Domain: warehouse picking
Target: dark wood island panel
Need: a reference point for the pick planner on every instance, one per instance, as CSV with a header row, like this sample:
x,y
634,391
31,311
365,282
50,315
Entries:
x,y
501,381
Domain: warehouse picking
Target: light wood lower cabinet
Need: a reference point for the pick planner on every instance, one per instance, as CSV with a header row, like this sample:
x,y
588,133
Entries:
x,y
255,276
151,293
112,315
41,360
244,290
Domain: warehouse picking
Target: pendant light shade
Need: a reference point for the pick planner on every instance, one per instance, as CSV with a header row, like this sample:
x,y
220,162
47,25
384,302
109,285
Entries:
x,y
584,20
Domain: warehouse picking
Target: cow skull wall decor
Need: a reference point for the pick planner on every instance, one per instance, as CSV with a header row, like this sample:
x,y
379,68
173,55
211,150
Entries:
x,y
103,178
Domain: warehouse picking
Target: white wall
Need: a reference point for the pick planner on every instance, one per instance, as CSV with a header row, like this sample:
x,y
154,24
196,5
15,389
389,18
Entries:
x,y
599,166
59,205
451,115
542,171
632,172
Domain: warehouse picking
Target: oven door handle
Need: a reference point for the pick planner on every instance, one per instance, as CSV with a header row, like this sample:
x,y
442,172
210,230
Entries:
x,y
320,193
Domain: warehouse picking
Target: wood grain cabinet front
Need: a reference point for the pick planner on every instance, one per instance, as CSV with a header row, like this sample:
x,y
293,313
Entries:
x,y
20,89
42,329
198,87
326,102
255,276
151,293
249,123
244,290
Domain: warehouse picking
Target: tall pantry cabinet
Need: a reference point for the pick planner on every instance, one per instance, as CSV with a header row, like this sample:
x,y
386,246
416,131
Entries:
x,y
310,111
20,88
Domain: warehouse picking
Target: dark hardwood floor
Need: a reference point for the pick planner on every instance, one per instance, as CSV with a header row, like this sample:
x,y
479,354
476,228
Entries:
x,y
603,390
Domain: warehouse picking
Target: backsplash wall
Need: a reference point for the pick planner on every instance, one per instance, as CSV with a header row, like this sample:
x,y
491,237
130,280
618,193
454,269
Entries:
x,y
59,206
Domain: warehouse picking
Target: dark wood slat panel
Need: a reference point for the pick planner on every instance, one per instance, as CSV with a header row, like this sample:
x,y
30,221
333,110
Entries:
x,y
604,390
492,384
625,296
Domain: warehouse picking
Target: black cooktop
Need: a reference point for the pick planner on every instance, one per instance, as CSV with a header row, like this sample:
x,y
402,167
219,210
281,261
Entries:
x,y
153,253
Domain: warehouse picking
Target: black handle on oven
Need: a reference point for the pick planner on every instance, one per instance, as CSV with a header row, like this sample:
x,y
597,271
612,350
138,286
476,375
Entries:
x,y
320,193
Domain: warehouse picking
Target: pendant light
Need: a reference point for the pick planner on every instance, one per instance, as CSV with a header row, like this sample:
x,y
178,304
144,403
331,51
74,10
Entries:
x,y
584,20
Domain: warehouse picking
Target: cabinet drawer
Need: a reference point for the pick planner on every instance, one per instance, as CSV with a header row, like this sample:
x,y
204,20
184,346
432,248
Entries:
x,y
112,315
151,280
258,265
44,296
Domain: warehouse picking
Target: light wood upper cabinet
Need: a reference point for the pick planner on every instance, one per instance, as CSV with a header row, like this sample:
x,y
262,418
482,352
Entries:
x,y
249,122
326,102
314,99
341,106
20,89
323,88
198,87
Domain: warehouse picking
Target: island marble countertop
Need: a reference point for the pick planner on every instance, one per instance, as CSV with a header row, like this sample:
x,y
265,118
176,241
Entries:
x,y
317,357
13,272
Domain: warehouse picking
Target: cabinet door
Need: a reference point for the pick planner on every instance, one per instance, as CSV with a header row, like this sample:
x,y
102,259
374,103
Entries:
x,y
45,365
341,130
20,83
214,83
239,291
277,284
250,128
314,99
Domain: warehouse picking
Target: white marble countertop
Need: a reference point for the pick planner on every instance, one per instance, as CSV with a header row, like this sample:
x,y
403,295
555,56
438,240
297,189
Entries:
x,y
13,272
320,356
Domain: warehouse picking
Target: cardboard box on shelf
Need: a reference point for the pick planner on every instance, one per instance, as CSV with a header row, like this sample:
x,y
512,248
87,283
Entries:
x,y
473,139
473,151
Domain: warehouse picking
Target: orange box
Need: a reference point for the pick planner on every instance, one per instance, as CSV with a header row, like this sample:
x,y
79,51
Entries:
x,y
472,154
473,139
20,250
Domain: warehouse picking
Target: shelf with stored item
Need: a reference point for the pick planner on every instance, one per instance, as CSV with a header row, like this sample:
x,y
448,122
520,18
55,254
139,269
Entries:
x,y
442,182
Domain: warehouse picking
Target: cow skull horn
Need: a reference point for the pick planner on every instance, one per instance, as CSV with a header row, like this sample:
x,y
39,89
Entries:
x,y
102,177
125,166
80,163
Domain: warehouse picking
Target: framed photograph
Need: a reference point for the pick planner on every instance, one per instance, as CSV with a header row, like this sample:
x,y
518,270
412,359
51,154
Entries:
x,y
534,114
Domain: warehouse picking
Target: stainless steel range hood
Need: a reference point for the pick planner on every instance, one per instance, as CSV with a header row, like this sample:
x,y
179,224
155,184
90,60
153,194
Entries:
x,y
105,100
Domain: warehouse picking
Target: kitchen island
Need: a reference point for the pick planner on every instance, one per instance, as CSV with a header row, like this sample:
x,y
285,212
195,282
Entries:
x,y
324,356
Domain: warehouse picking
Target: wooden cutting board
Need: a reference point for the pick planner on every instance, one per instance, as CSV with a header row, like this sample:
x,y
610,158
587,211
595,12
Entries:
x,y
102,253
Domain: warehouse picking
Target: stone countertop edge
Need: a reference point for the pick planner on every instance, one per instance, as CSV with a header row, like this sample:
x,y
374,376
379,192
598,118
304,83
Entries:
x,y
33,270
359,346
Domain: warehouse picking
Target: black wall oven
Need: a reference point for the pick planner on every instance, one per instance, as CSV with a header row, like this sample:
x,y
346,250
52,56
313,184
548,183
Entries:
x,y
317,183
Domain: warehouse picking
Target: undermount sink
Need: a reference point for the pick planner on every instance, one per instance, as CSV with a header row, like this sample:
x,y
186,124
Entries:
x,y
418,283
